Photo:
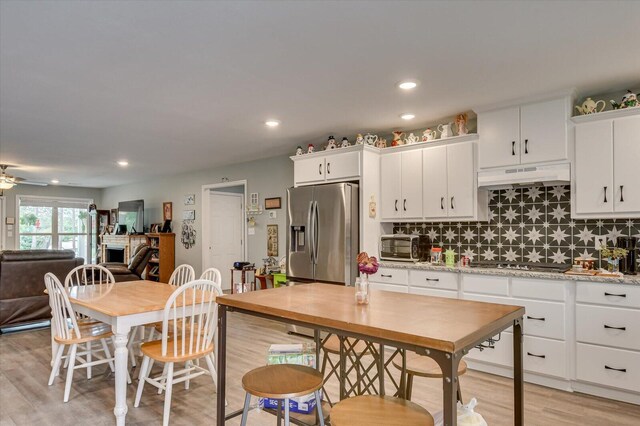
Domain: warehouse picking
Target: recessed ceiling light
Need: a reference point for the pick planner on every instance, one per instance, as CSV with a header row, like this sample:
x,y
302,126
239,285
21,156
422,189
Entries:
x,y
55,181
407,85
272,123
123,163
407,116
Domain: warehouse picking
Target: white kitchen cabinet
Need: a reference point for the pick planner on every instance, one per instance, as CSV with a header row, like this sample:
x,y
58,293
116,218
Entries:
x,y
396,288
309,170
606,167
616,368
526,134
434,182
460,180
327,166
401,185
604,325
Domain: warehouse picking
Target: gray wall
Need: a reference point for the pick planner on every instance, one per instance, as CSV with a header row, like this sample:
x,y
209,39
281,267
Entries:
x,y
269,178
43,191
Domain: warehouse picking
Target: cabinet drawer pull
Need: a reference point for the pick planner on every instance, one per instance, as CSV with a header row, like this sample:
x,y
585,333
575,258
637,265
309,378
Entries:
x,y
526,146
621,196
404,204
537,356
452,207
319,169
386,276
396,205
328,168
536,318
513,147
605,194
615,328
623,370
433,279
441,203
616,295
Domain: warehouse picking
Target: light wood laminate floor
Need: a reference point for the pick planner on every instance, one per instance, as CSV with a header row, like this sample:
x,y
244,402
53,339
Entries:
x,y
25,398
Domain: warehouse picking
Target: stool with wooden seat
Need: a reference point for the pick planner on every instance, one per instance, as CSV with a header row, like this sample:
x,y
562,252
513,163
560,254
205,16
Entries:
x,y
281,382
423,366
371,410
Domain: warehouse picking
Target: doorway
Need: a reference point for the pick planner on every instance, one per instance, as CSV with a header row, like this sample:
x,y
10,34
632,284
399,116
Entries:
x,y
224,227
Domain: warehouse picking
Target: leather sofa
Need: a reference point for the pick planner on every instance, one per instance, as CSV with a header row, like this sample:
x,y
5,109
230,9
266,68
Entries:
x,y
134,270
22,298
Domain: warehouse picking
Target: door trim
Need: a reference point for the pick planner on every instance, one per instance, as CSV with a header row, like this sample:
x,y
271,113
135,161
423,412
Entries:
x,y
206,237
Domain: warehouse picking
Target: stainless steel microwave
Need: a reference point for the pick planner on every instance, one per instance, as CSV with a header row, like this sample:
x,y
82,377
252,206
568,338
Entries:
x,y
407,248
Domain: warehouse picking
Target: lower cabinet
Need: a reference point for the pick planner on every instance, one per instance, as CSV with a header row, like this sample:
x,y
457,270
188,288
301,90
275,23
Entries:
x,y
389,287
611,367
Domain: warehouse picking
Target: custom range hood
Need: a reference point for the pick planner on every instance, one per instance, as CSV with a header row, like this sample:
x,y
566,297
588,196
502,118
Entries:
x,y
508,177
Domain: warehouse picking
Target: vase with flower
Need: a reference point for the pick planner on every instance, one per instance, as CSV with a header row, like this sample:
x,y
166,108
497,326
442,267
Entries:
x,y
367,266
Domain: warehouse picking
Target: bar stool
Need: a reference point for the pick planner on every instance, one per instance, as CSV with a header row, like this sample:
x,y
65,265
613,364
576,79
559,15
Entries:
x,y
281,382
370,410
423,366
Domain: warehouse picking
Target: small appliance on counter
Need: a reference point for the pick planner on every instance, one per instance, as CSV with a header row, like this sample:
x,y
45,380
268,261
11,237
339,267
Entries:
x,y
405,248
628,264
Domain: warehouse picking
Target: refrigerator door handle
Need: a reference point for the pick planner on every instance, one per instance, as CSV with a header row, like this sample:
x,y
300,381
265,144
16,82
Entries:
x,y
315,232
310,225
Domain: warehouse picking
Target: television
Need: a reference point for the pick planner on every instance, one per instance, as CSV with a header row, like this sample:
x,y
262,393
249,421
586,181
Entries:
x,y
131,215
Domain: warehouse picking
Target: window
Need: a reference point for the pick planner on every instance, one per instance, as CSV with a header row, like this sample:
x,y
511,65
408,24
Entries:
x,y
54,223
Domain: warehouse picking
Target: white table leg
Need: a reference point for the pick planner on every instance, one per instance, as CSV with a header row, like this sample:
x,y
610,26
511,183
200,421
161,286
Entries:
x,y
122,357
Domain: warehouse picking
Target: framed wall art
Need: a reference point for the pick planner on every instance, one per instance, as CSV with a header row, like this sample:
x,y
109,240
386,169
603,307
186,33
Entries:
x,y
167,210
189,199
273,203
189,215
272,240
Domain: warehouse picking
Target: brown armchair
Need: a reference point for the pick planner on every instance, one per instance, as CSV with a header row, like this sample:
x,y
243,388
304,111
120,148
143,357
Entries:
x,y
134,270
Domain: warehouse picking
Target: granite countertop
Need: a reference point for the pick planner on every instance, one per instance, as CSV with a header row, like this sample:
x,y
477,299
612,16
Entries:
x,y
626,279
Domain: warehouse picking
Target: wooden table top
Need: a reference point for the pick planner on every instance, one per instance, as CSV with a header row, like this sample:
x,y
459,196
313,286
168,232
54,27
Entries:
x,y
430,322
124,298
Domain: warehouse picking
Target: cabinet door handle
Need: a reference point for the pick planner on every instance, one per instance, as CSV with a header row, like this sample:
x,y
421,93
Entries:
x,y
616,295
536,318
513,147
452,208
441,203
386,276
433,279
396,205
615,328
624,370
404,204
328,168
621,195
537,356
319,169
605,194
526,146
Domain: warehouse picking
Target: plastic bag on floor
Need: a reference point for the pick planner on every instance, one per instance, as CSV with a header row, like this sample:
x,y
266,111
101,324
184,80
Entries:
x,y
466,415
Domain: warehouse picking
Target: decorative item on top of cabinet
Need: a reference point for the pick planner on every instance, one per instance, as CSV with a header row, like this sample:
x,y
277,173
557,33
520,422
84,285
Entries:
x,y
299,150
345,143
429,135
445,130
411,139
629,100
589,106
359,139
331,143
310,148
397,140
461,124
370,139
382,143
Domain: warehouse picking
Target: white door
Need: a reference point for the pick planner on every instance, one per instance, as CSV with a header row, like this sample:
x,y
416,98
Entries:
x,y
226,244
460,179
499,143
390,188
626,164
543,131
342,166
434,182
309,170
411,182
594,167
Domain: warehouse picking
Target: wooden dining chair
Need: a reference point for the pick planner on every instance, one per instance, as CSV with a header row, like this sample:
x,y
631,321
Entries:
x,y
212,274
189,326
68,332
424,366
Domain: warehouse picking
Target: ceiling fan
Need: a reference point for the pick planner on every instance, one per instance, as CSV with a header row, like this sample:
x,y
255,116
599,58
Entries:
x,y
8,181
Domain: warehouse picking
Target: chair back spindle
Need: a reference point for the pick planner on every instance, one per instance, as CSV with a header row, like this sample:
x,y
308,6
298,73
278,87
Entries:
x,y
182,275
90,274
212,274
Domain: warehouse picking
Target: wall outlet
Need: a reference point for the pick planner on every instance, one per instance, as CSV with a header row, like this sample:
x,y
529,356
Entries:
x,y
272,214
600,240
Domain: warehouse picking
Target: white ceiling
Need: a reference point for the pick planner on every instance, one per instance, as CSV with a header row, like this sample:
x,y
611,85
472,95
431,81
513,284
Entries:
x,y
177,86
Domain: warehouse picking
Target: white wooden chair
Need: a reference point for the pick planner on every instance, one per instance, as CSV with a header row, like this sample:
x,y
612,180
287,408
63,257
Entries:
x,y
182,275
68,332
212,274
188,329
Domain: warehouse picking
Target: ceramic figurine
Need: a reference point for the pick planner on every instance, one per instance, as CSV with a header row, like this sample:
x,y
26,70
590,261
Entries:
x,y
370,139
461,124
345,143
445,130
589,106
397,141
310,149
359,139
382,143
411,139
299,150
629,100
331,143
429,135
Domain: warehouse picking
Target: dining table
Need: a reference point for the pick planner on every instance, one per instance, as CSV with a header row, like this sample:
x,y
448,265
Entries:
x,y
122,305
441,328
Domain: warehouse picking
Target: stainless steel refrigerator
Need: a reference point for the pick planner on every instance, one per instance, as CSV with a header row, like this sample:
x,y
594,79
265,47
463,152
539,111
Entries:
x,y
323,233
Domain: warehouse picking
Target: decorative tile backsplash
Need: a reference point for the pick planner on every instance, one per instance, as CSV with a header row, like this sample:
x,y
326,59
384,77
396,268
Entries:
x,y
531,224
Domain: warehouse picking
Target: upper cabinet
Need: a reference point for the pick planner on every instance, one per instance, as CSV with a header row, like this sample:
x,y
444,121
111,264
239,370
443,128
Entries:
x,y
607,157
525,134
401,185
328,166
